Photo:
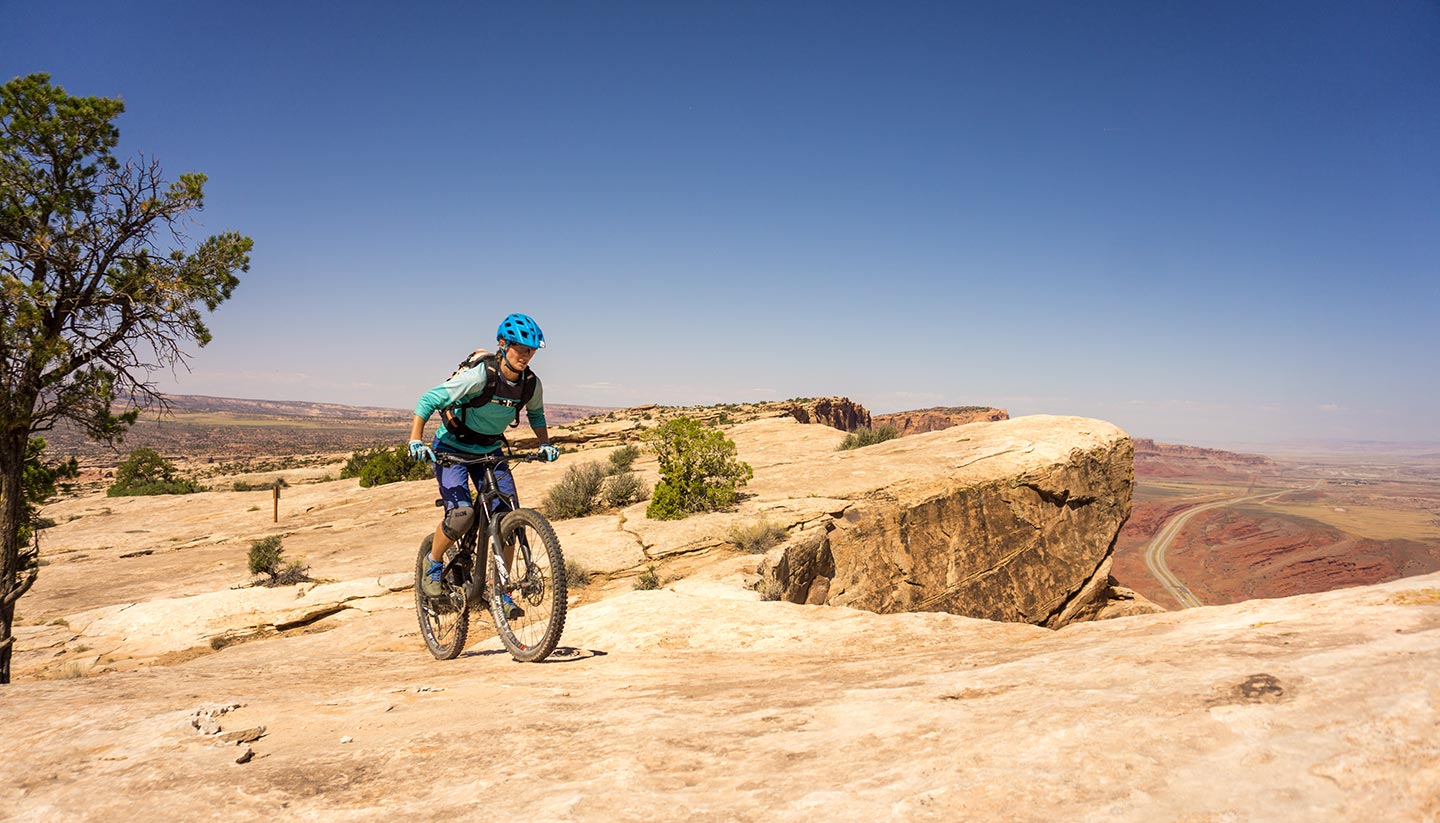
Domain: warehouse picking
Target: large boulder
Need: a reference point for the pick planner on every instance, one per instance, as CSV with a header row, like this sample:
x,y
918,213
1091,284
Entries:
x,y
1012,520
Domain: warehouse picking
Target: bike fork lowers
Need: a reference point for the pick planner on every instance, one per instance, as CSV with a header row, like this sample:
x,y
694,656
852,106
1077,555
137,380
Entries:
x,y
497,553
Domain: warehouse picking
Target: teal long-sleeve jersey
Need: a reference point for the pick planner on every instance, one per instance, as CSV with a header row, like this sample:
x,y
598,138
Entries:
x,y
492,418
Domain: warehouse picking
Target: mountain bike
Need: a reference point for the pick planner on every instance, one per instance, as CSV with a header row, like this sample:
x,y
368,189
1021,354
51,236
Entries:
x,y
505,560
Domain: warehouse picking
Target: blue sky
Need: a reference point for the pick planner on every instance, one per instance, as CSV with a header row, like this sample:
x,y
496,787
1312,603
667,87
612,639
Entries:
x,y
1205,222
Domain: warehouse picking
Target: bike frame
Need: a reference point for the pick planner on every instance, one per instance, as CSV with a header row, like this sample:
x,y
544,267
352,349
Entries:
x,y
467,547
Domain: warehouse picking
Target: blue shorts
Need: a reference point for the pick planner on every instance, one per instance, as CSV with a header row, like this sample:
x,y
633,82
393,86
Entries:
x,y
455,481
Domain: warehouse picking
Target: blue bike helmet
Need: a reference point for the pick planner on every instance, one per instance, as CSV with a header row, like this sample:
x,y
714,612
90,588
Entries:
x,y
522,329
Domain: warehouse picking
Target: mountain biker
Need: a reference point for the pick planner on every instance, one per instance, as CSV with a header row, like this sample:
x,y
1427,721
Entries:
x,y
477,404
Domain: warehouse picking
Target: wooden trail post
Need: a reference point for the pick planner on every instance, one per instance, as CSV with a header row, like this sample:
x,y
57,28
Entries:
x,y
277,502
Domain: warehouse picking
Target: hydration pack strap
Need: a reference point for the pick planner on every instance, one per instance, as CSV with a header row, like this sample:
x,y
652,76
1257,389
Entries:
x,y
452,415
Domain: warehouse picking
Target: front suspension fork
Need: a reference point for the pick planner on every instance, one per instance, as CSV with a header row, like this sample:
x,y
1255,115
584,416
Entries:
x,y
497,551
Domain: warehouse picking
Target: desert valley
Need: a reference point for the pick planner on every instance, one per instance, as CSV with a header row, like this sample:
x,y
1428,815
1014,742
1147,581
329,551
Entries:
x,y
986,618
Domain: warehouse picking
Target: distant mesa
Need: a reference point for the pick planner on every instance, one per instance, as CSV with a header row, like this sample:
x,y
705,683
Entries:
x,y
939,417
1160,460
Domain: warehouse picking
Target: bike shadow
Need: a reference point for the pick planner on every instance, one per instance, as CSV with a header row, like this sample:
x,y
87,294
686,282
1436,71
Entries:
x,y
563,654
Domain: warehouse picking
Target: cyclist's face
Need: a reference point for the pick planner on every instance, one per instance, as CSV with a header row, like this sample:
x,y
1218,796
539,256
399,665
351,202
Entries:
x,y
519,355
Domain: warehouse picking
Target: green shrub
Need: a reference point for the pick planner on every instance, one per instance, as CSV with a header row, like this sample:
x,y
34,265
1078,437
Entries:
x,y
146,472
267,557
576,575
623,458
698,470
379,465
867,437
648,580
37,482
575,494
757,537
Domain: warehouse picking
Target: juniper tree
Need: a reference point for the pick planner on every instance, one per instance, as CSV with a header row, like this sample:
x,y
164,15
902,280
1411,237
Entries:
x,y
100,285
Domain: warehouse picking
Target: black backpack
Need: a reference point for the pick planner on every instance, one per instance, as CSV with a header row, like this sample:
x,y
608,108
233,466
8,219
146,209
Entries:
x,y
452,415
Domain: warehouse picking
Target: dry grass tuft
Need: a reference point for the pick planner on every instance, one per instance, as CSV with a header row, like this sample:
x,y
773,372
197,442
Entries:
x,y
1417,597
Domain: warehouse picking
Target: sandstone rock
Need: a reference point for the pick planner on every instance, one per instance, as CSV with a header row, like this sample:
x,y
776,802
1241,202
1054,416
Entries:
x,y
141,631
1012,520
243,735
699,702
1123,602
836,412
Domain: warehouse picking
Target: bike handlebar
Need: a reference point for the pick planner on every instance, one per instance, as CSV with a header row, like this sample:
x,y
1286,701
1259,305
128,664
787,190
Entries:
x,y
453,459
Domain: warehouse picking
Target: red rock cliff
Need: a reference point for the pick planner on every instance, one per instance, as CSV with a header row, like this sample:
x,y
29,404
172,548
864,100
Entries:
x,y
920,421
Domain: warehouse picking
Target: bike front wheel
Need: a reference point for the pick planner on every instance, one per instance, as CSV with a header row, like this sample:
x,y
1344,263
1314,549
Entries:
x,y
528,602
444,620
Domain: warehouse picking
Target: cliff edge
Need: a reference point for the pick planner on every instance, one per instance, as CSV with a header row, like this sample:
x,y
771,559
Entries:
x,y
1013,520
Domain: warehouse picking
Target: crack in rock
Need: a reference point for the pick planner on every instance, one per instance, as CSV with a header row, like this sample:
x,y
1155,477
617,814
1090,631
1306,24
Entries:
x,y
644,549
313,617
1059,499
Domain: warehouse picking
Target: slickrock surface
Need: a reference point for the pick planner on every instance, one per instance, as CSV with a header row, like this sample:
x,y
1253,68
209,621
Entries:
x,y
173,692
1011,520
698,704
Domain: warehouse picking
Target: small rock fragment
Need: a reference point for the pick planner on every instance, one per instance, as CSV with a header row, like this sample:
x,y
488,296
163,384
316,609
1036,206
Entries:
x,y
347,739
246,756
244,735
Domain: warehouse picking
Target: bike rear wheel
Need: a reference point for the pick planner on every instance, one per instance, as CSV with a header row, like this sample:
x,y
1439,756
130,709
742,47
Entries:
x,y
536,585
444,620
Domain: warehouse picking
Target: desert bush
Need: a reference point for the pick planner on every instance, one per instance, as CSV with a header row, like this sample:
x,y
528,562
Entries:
x,y
770,589
293,572
757,537
623,458
589,487
245,486
379,465
576,575
698,470
267,557
649,580
575,494
867,436
146,472
623,489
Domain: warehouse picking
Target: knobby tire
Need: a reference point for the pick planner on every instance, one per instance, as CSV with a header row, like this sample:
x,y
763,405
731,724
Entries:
x,y
539,590
444,620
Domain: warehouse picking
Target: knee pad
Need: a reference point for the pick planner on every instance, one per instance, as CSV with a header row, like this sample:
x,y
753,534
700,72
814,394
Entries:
x,y
457,521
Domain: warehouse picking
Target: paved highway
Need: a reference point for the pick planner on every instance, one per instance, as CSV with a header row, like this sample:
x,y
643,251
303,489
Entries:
x,y
1155,551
